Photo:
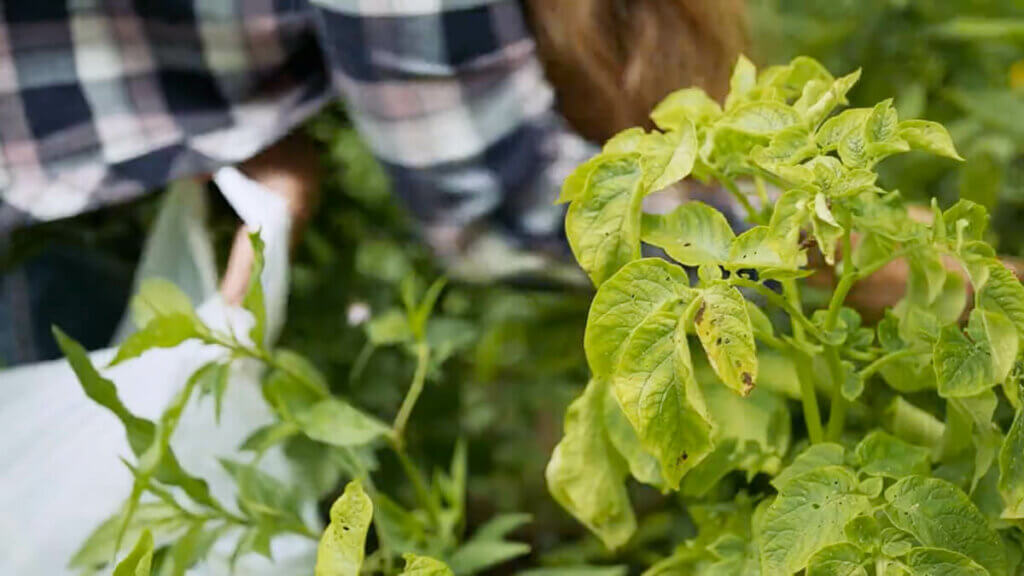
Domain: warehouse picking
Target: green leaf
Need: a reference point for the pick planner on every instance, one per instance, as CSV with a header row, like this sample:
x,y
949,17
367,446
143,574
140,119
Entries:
x,y
212,380
773,259
253,300
1011,469
576,182
836,129
336,422
1000,335
342,545
809,514
160,332
389,328
930,137
139,561
964,366
603,225
881,454
163,521
863,531
817,109
842,559
621,304
156,298
668,158
488,547
692,234
815,457
691,105
761,118
642,465
882,123
724,329
1004,294
424,566
587,476
940,562
654,385
742,82
940,515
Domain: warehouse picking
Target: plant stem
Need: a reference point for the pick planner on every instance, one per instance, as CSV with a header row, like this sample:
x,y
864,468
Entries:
x,y
878,364
808,397
837,412
730,185
800,321
413,395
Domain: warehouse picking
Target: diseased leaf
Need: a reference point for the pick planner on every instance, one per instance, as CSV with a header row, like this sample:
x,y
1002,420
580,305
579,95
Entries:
x,y
1011,469
603,225
835,129
964,366
654,384
692,234
668,158
761,118
842,559
883,455
341,548
724,329
621,304
808,515
587,476
940,515
1004,294
338,423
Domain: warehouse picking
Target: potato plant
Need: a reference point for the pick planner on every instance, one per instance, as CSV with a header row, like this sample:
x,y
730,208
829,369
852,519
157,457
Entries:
x,y
918,467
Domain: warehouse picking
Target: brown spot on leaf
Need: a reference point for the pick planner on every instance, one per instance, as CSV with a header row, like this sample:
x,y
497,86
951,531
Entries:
x,y
700,313
748,383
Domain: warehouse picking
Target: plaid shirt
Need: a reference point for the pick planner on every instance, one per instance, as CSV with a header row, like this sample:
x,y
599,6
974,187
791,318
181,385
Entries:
x,y
103,100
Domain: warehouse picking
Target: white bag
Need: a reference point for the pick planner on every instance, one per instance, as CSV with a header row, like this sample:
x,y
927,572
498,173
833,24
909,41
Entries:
x,y
60,473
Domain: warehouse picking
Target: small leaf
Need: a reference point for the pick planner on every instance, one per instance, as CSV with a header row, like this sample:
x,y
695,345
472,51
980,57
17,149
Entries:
x,y
692,234
1004,294
668,158
882,123
156,298
881,454
160,332
842,559
488,547
687,105
336,422
813,458
940,515
742,81
253,300
139,561
724,329
603,225
761,118
964,366
423,566
587,476
835,129
342,545
930,137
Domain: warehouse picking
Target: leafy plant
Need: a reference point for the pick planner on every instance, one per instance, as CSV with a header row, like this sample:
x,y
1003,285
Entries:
x,y
179,519
902,477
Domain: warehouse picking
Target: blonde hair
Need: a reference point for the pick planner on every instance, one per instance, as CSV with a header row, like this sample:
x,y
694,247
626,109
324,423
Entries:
x,y
611,61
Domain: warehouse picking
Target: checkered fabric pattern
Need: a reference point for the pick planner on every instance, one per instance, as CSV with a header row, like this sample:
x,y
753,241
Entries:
x,y
102,100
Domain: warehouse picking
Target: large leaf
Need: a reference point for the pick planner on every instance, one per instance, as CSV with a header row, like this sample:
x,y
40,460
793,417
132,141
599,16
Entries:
x,y
687,105
843,559
928,136
940,515
668,158
692,234
1004,294
808,515
940,562
623,302
342,545
963,365
653,383
723,326
603,224
587,476
642,465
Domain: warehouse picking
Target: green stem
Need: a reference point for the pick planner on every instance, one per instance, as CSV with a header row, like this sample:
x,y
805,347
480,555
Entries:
x,y
808,397
413,395
419,485
800,321
872,368
846,282
838,408
730,185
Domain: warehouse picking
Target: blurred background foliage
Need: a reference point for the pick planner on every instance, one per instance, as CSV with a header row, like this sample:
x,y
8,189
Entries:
x,y
513,357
